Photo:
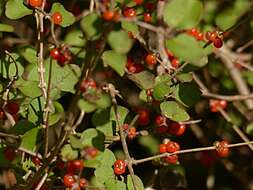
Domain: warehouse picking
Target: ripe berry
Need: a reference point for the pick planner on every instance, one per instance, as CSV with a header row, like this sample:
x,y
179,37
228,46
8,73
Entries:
x,y
108,15
133,67
147,17
160,120
61,60
177,129
83,183
57,18
223,104
131,133
90,152
151,59
119,167
12,107
35,3
199,36
75,166
9,154
172,159
208,36
217,42
193,32
162,148
2,114
170,54
213,36
149,92
55,53
172,146
68,180
138,2
150,6
221,148
86,84
175,63
144,115
216,104
129,12
36,160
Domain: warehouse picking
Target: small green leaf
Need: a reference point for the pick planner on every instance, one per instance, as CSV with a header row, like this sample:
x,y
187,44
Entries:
x,y
188,49
184,77
67,153
6,28
29,139
113,184
174,111
161,90
119,41
138,183
184,17
144,80
75,142
67,17
122,112
29,53
15,9
106,158
115,60
104,101
104,173
25,87
92,137
131,27
92,25
55,116
21,127
86,106
77,41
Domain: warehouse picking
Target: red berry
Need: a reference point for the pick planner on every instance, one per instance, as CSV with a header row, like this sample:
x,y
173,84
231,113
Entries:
x,y
55,53
162,148
147,17
75,166
88,83
221,148
199,36
160,120
175,63
208,36
223,104
161,129
172,146
68,180
36,160
217,42
83,183
12,107
177,129
2,114
193,32
213,35
138,2
149,92
151,59
170,54
150,6
144,115
133,67
35,3
91,152
131,133
119,167
57,18
108,15
129,12
172,159
125,126
61,60
9,154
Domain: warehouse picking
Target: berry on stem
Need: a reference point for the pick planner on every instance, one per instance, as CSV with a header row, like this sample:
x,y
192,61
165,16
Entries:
x,y
119,167
75,166
131,133
221,148
12,107
57,18
138,2
162,148
175,63
143,118
217,42
151,59
35,3
83,183
68,180
147,17
172,146
177,129
86,84
160,120
129,12
36,160
172,159
108,15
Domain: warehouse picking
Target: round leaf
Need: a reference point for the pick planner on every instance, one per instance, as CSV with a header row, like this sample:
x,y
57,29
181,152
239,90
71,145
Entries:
x,y
15,9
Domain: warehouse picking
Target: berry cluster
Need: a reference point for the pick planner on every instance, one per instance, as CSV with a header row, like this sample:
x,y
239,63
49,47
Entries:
x,y
88,85
130,131
12,108
221,148
215,105
175,63
170,147
133,67
119,167
61,55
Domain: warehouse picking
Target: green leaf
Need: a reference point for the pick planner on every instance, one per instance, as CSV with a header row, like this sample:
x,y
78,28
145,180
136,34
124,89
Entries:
x,y
1,7
92,25
143,96
67,17
106,158
138,183
174,111
92,137
29,53
29,139
63,78
104,173
184,17
75,142
76,39
113,184
249,129
144,80
21,127
15,9
101,117
115,60
161,90
55,116
86,106
184,77
8,68
188,49
67,153
188,94
119,41
122,112
25,87
107,129
131,27
6,28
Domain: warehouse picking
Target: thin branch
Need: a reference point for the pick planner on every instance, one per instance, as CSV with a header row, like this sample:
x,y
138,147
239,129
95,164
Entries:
x,y
240,49
189,151
42,181
9,135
